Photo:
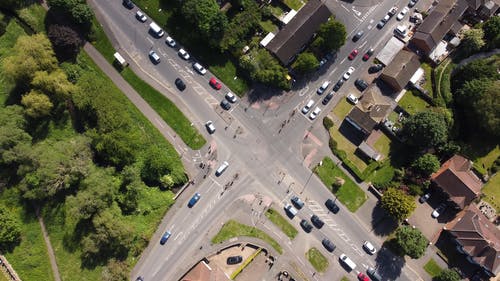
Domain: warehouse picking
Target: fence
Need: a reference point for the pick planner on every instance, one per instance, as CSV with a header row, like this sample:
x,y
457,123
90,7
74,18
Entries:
x,y
7,269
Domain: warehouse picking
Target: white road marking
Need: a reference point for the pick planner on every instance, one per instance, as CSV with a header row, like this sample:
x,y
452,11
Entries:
x,y
177,236
333,71
159,123
343,61
303,91
150,41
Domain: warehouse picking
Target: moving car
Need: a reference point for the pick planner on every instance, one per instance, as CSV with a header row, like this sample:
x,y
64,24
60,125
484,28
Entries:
x,y
361,84
183,54
363,277
199,68
353,54
323,87
180,84
328,98
347,261
315,113
317,221
194,200
358,35
141,16
374,275
339,84
369,248
332,206
290,210
170,41
165,237
128,4
306,226
155,58
424,198
234,260
439,210
328,245
297,202
348,73
368,54
352,98
231,97
375,68
210,127
221,168
214,83
402,14
307,107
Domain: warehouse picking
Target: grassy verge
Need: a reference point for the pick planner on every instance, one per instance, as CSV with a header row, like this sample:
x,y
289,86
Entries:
x,y
268,26
412,103
282,223
233,229
349,193
432,268
247,261
101,41
317,260
442,75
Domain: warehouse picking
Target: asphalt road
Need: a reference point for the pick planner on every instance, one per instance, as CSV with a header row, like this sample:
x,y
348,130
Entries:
x,y
265,159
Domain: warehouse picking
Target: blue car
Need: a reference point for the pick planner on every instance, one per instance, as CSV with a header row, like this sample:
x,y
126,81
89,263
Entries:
x,y
194,199
165,237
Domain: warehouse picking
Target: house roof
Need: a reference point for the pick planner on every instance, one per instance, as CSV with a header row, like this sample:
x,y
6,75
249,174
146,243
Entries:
x,y
401,69
361,119
375,104
456,178
479,237
203,272
292,38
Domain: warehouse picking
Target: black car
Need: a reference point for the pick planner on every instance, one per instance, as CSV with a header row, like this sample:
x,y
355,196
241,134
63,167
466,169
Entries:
x,y
375,68
306,226
361,84
297,202
338,85
317,221
381,24
139,278
128,4
332,206
358,36
327,98
374,275
180,84
328,245
225,104
234,259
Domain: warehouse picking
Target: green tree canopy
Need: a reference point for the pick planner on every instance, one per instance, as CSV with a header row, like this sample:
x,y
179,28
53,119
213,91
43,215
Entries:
x,y
476,69
10,230
156,165
306,62
244,22
115,271
397,204
448,275
426,164
491,29
411,241
472,41
36,104
207,17
425,129
54,84
331,36
14,141
77,10
65,40
263,68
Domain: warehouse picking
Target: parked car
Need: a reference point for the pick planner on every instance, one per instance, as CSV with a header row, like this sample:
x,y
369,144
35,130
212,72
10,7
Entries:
x,y
317,221
234,260
328,98
231,97
361,84
214,83
210,127
297,202
352,98
315,113
155,58
194,200
183,54
381,24
223,167
290,210
139,278
392,11
128,4
368,54
307,107
329,246
165,237
347,261
338,85
323,87
439,210
358,35
180,84
401,31
199,68
375,68
374,275
403,13
424,198
412,3
170,41
141,16
332,206
363,277
369,248
348,73
353,54
306,226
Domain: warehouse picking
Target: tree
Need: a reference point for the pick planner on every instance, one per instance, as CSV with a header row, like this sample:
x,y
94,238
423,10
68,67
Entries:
x,y
241,25
306,62
14,141
411,241
10,230
65,40
78,11
206,16
263,68
331,36
448,275
115,271
128,197
472,40
426,164
397,204
54,84
477,69
487,109
491,29
425,129
156,165
36,104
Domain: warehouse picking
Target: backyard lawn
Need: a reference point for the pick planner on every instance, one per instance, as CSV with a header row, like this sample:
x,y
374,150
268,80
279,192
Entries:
x,y
383,145
342,109
492,191
294,4
350,194
432,268
268,26
317,260
281,222
344,144
428,78
412,103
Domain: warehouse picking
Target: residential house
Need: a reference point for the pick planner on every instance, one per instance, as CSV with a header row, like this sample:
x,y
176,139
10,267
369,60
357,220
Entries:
x,y
294,36
204,272
400,70
458,181
478,239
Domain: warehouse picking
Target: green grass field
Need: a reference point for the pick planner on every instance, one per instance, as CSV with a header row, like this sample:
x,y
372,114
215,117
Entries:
x,y
384,174
294,4
428,78
233,229
492,191
383,145
412,103
350,194
317,260
344,144
342,109
432,268
281,222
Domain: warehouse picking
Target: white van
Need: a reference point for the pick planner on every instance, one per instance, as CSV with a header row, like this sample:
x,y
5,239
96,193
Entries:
x,y
156,30
222,168
291,211
323,87
347,261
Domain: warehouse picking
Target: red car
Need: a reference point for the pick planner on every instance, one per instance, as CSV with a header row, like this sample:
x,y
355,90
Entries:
x,y
214,83
353,54
368,54
363,277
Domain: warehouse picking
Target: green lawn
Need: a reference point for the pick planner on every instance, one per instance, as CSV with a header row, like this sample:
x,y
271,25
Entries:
x,y
344,144
412,103
428,78
233,229
350,194
383,174
294,4
317,260
167,110
383,145
487,160
3,277
268,26
432,268
281,222
342,109
492,191
101,41
226,71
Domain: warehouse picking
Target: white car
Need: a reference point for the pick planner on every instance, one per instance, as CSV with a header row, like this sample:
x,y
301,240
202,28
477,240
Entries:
x,y
352,98
348,73
439,210
221,168
402,14
307,107
210,127
231,97
170,41
154,56
183,54
199,68
141,16
323,87
369,248
315,113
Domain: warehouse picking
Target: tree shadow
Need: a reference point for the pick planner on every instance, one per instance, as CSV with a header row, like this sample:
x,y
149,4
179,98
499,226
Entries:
x,y
262,92
389,265
382,223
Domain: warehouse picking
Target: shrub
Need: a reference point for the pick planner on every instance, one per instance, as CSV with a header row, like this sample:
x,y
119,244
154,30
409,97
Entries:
x,y
328,123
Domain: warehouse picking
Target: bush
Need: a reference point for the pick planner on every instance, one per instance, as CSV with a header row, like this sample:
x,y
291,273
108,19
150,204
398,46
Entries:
x,y
327,123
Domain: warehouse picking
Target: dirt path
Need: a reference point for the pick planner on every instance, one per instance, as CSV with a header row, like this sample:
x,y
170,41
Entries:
x,y
50,250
